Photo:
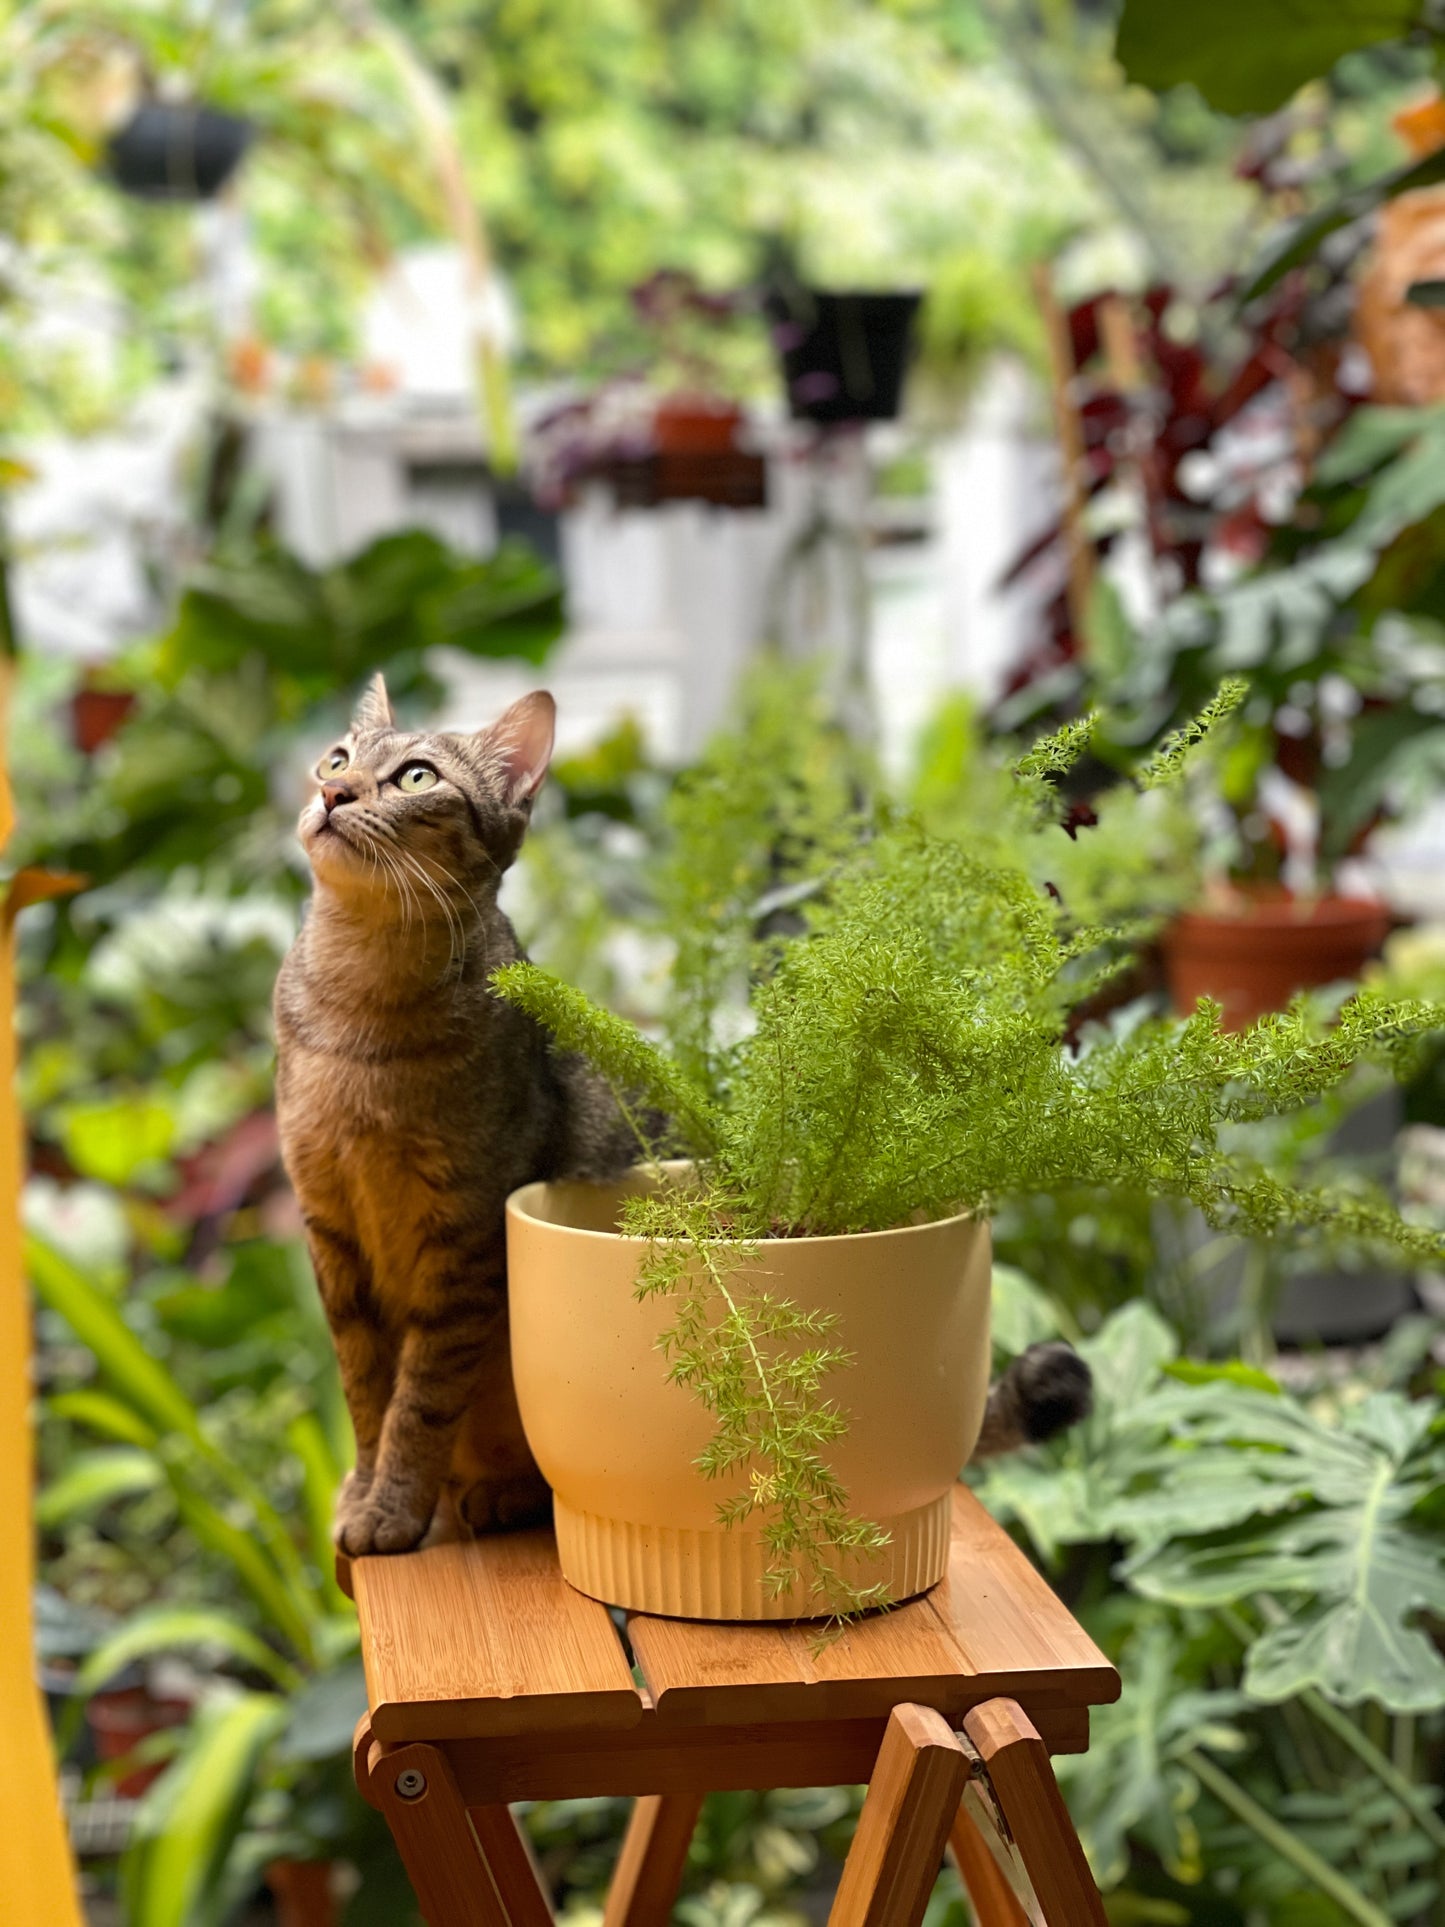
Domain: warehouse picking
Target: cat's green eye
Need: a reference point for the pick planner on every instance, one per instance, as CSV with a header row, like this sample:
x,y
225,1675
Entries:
x,y
333,764
418,777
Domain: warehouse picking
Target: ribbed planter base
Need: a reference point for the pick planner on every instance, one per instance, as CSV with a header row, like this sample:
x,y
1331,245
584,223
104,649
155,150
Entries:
x,y
721,1574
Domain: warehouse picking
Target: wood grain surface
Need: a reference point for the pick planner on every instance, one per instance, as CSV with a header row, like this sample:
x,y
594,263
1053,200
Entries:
x,y
649,1867
991,1626
1016,1761
486,1638
912,1800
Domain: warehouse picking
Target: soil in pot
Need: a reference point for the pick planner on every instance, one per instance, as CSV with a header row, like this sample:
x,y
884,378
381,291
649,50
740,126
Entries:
x,y
1254,955
636,1521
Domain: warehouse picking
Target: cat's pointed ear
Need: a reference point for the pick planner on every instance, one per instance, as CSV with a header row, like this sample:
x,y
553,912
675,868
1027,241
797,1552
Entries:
x,y
374,711
521,741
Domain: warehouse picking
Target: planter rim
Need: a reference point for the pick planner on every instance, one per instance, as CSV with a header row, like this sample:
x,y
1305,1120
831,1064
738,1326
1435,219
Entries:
x,y
1282,912
518,1205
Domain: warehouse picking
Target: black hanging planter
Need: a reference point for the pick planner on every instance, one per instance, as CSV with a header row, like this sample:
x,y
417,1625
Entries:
x,y
177,151
844,356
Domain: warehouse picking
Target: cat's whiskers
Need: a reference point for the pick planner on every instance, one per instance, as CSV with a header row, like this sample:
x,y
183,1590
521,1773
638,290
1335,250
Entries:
x,y
456,930
374,845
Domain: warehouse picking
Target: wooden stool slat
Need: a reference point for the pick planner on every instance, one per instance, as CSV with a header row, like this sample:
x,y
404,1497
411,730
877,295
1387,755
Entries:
x,y
912,1800
1017,1764
486,1638
993,1626
649,1867
976,1847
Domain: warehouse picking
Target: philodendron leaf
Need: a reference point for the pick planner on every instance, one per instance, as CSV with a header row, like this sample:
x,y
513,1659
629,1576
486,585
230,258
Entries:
x,y
1132,1782
1264,1499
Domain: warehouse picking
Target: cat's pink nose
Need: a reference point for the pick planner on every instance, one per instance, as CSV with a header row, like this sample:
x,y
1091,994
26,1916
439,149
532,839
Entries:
x,y
334,793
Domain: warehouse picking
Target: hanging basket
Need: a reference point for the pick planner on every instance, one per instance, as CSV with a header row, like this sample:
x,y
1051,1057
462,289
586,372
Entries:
x,y
177,151
844,356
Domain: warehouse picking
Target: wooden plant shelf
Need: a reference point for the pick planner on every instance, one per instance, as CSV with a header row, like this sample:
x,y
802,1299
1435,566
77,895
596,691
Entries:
x,y
490,1680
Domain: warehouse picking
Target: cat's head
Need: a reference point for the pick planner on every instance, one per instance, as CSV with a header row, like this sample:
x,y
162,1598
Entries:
x,y
389,801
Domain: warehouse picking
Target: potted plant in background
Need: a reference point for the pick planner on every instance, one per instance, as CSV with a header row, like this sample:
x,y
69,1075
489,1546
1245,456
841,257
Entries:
x,y
1285,531
855,1096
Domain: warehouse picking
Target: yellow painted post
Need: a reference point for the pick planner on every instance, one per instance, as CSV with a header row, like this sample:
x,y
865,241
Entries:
x,y
37,1876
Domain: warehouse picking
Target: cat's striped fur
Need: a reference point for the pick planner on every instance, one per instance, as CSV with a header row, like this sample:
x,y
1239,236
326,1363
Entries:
x,y
412,1100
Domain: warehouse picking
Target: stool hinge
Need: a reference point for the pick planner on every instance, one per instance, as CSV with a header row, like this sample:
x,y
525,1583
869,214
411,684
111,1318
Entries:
x,y
980,1779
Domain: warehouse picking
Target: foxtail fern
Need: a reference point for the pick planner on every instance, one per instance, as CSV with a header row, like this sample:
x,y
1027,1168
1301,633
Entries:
x,y
902,1056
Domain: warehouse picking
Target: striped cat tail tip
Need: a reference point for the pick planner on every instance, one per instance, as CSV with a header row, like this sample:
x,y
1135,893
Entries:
x,y
1044,1391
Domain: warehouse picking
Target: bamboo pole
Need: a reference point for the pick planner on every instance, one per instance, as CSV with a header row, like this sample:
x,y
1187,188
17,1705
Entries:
x,y
37,1875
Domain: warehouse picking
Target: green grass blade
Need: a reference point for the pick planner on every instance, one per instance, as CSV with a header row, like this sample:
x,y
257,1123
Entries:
x,y
124,1362
251,1567
320,1477
94,1480
189,1820
104,1413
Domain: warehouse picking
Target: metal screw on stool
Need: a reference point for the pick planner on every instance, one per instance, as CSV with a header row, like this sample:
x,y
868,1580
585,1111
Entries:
x,y
411,1783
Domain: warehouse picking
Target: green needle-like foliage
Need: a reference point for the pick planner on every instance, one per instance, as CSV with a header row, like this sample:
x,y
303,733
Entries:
x,y
903,1055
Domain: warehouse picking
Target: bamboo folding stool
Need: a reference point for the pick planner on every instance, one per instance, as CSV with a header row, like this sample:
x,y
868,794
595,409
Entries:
x,y
491,1680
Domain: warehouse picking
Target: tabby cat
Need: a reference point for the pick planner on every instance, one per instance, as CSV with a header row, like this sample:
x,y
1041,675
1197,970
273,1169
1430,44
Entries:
x,y
411,1100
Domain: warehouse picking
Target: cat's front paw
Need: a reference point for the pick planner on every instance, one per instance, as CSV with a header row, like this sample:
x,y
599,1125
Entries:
x,y
350,1498
508,1501
383,1519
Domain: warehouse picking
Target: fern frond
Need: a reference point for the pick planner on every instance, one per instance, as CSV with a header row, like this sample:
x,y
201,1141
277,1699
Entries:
x,y
635,1069
1169,761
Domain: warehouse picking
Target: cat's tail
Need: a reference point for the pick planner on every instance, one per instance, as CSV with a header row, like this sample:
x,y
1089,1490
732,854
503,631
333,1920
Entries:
x,y
1043,1392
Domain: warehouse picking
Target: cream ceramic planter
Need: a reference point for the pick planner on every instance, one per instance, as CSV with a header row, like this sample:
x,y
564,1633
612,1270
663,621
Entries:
x,y
636,1521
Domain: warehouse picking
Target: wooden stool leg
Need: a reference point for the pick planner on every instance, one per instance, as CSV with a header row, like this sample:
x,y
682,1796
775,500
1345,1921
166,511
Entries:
x,y
649,1867
994,1901
465,1874
510,1861
912,1800
1017,1764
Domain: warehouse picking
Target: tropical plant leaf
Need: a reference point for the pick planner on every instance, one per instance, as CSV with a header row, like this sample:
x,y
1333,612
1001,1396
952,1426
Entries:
x,y
187,1823
169,1629
1263,1498
324,1714
265,1558
252,1567
93,1480
122,1358
1300,242
1249,59
1133,1782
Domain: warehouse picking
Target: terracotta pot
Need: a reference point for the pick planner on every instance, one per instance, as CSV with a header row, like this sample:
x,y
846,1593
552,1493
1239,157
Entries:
x,y
303,1892
695,425
636,1521
120,1719
1253,959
